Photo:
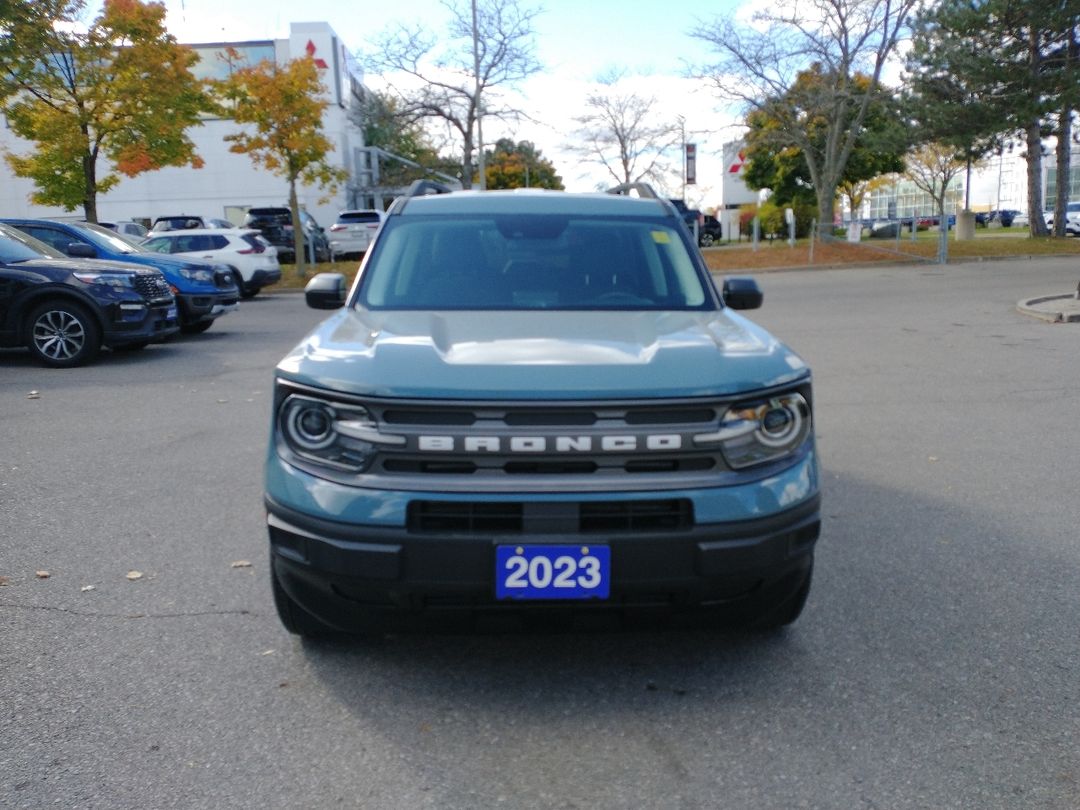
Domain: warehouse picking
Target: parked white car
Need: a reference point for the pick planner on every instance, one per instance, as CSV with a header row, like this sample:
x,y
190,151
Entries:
x,y
353,231
1072,219
252,260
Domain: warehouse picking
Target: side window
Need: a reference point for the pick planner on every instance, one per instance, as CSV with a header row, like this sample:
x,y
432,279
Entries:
x,y
217,242
161,245
190,244
51,236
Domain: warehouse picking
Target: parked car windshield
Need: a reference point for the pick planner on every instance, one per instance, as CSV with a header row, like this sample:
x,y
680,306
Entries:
x,y
525,262
16,246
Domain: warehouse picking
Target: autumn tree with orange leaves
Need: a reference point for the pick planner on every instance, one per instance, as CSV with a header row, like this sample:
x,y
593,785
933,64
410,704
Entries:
x,y
282,106
122,90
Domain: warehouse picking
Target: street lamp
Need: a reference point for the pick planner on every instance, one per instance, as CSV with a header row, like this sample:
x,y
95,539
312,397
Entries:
x,y
476,100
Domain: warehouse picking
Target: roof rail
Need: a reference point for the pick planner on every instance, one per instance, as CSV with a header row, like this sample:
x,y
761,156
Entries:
x,y
421,187
643,190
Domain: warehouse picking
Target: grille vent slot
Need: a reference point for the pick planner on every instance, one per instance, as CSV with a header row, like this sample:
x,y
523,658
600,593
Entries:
x,y
588,517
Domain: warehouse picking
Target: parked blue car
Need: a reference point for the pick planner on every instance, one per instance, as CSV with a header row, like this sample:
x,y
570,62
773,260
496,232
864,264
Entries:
x,y
65,310
204,291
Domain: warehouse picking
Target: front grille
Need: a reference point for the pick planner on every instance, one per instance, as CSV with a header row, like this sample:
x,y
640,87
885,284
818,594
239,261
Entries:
x,y
151,286
518,440
587,517
539,447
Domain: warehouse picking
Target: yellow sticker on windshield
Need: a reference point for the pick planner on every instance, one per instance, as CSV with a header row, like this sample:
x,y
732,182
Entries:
x,y
661,237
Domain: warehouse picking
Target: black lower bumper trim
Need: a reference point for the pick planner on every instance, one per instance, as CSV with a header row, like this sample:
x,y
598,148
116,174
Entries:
x,y
368,577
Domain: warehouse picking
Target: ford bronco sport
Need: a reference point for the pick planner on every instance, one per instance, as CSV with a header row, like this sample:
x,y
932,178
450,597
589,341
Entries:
x,y
537,403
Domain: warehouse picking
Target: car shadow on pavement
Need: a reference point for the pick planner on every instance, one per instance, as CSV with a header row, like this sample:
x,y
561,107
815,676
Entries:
x,y
920,611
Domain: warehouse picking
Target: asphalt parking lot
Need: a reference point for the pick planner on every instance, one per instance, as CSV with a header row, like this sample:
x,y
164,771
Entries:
x,y
937,664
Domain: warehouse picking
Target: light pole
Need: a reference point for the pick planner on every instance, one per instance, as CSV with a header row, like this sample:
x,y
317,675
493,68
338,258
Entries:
x,y
476,100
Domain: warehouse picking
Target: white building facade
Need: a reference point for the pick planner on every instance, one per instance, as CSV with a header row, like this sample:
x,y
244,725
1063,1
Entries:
x,y
733,190
228,184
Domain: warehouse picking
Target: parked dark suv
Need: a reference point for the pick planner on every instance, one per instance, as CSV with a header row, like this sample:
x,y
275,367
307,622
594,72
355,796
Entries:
x,y
275,224
64,310
204,291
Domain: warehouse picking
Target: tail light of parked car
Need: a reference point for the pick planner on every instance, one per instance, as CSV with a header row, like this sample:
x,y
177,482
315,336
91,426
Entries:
x,y
255,245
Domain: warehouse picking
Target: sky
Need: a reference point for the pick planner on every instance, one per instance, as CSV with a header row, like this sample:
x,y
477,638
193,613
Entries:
x,y
576,41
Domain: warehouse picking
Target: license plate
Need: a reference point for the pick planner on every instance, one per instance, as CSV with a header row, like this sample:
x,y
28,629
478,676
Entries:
x,y
552,572
171,314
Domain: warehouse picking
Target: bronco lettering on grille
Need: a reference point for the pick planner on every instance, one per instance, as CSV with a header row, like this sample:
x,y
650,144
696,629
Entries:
x,y
549,444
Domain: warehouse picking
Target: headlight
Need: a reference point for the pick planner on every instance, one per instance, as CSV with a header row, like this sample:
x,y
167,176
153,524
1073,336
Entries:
x,y
197,275
108,279
332,434
761,431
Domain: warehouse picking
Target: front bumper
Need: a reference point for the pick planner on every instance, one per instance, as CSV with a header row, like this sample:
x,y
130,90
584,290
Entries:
x,y
140,322
198,307
370,577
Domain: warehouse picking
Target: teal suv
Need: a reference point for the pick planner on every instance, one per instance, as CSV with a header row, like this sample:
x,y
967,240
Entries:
x,y
536,405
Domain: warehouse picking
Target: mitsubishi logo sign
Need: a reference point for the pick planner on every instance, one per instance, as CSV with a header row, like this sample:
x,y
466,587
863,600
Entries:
x,y
738,163
311,49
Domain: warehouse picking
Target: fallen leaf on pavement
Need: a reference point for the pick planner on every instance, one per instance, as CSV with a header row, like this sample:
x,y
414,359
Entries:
x,y
86,588
4,581
240,564
41,574
134,575
267,652
33,395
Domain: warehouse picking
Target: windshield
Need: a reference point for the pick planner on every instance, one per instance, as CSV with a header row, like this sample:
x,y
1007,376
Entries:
x,y
524,262
103,237
16,246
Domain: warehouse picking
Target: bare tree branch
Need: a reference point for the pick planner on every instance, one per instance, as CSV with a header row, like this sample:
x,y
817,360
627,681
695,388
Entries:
x,y
451,89
759,66
622,132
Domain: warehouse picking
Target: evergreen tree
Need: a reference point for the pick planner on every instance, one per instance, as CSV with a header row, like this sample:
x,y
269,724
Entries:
x,y
985,70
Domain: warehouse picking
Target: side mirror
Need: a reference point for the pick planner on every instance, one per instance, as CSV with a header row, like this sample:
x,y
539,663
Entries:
x,y
742,293
325,291
81,250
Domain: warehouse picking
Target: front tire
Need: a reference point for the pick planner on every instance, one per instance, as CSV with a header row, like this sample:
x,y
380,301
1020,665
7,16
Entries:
x,y
788,609
62,334
293,617
245,291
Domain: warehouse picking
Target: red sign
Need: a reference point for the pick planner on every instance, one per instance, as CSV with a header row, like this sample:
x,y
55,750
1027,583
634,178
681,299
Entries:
x,y
319,63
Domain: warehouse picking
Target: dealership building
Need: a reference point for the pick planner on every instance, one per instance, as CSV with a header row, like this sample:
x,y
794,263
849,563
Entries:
x,y
228,184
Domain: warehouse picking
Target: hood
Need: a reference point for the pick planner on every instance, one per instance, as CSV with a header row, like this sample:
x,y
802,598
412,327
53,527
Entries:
x,y
166,262
85,265
551,355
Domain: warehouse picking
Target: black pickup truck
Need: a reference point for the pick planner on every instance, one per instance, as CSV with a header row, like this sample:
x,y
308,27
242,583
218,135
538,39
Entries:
x,y
706,228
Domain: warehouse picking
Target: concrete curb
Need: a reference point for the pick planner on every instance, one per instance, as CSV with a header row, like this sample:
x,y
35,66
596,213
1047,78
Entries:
x,y
1052,308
